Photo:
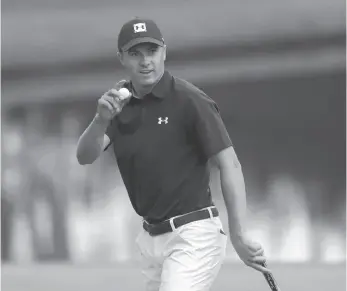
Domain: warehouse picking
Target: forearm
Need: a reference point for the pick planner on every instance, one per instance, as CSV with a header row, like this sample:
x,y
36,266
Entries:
x,y
234,193
90,144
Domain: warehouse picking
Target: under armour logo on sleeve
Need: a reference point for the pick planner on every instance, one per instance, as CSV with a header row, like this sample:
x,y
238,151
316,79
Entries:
x,y
140,27
166,120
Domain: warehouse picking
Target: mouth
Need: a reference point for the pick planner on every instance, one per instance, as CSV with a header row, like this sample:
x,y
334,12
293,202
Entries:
x,y
146,72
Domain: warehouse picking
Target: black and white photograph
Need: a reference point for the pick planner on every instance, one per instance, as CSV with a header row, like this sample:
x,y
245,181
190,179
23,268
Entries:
x,y
173,145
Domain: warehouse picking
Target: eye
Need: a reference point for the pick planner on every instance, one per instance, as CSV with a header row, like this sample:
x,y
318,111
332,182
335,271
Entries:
x,y
133,54
153,50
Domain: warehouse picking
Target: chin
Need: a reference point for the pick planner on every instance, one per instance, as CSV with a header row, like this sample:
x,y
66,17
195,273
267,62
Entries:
x,y
147,81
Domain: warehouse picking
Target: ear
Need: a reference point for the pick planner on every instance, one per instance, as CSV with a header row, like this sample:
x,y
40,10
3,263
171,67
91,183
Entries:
x,y
120,57
164,48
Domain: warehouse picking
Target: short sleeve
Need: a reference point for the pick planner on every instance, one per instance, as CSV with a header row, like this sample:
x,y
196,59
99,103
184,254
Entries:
x,y
209,129
111,132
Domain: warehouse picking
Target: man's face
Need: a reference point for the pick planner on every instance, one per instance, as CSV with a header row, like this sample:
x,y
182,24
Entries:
x,y
144,63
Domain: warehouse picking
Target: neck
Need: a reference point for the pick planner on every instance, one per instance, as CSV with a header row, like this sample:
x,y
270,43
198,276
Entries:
x,y
142,90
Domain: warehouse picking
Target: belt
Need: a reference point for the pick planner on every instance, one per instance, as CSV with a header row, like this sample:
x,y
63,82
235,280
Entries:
x,y
175,222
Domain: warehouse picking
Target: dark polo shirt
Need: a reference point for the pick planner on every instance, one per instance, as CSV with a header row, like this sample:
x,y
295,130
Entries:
x,y
162,144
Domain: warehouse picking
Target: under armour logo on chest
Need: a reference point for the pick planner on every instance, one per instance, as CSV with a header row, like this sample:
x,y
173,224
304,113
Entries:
x,y
166,120
140,27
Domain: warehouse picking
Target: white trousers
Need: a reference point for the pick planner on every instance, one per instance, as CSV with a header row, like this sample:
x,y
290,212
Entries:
x,y
187,259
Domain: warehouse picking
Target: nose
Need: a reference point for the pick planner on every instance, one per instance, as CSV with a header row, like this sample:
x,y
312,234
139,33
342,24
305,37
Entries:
x,y
145,61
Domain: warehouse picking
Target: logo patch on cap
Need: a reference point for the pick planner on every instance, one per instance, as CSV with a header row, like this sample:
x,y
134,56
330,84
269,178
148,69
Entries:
x,y
140,27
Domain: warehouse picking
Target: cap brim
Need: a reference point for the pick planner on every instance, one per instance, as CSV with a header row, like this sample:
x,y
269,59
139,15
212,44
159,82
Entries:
x,y
141,40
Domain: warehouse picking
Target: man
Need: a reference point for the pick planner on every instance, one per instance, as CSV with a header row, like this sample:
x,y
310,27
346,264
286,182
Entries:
x,y
164,138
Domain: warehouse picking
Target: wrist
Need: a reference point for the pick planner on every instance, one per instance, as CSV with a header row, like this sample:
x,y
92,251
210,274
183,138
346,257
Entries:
x,y
236,231
237,239
100,120
236,235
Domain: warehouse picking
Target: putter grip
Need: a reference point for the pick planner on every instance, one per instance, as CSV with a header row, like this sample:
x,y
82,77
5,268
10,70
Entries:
x,y
270,279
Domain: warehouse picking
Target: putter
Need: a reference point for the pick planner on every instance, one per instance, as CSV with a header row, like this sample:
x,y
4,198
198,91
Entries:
x,y
270,279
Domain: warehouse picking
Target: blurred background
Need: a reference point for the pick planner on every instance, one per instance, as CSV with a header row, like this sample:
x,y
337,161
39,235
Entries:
x,y
276,70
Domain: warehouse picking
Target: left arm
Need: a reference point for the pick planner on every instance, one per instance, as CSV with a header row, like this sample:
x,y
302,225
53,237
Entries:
x,y
233,189
215,145
234,193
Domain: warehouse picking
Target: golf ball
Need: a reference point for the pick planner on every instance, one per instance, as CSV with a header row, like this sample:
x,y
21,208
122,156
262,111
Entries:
x,y
124,92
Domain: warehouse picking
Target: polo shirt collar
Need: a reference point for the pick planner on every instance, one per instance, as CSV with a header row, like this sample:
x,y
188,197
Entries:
x,y
162,88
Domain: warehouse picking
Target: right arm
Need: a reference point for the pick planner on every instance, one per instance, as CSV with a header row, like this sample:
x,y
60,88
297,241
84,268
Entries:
x,y
93,141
